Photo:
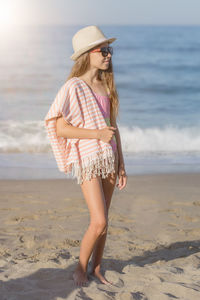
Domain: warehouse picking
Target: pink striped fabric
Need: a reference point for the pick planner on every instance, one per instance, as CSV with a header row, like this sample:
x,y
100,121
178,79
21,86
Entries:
x,y
83,158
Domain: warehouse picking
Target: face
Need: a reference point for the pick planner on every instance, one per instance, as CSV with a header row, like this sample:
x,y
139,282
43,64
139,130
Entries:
x,y
97,60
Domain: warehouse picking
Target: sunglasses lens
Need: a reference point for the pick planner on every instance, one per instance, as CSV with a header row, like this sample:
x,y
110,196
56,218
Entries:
x,y
110,50
104,53
106,50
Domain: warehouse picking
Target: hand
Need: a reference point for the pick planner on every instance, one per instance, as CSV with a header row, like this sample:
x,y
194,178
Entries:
x,y
106,133
122,177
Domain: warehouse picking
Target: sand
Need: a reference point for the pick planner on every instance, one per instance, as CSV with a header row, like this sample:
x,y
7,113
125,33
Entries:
x,y
152,249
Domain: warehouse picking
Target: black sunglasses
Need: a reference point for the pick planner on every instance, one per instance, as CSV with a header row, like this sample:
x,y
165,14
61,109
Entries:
x,y
104,50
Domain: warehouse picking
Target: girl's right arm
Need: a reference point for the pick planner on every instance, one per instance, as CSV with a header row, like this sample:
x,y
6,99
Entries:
x,y
71,132
66,130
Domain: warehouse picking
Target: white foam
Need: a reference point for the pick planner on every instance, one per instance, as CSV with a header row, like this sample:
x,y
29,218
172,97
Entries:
x,y
31,137
169,139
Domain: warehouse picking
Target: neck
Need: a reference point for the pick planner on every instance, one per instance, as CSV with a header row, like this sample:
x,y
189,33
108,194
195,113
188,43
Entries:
x,y
91,76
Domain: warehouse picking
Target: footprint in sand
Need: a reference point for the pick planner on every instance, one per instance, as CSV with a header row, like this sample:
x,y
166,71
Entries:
x,y
27,241
17,220
120,218
72,243
117,230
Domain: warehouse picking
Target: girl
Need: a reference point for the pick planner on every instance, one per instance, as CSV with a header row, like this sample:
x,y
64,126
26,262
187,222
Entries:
x,y
92,76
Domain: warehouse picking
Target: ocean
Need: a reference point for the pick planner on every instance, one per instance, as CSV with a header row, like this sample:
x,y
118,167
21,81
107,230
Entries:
x,y
157,75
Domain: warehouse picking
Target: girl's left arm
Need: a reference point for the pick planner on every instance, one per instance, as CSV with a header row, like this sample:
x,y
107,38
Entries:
x,y
121,166
119,147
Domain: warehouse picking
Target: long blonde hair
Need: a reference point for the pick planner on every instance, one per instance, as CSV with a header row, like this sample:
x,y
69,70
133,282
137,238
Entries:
x,y
81,65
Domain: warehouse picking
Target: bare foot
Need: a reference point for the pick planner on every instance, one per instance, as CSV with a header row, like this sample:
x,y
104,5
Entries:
x,y
101,277
80,277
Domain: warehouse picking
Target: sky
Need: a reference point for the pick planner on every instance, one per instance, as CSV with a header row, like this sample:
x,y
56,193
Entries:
x,y
105,12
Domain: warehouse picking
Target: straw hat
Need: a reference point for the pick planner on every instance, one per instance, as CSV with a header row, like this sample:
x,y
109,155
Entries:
x,y
86,39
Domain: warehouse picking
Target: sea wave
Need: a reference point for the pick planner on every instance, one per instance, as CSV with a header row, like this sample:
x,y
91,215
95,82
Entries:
x,y
31,137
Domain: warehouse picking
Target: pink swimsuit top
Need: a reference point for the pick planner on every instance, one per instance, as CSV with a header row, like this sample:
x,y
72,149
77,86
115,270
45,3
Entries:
x,y
104,105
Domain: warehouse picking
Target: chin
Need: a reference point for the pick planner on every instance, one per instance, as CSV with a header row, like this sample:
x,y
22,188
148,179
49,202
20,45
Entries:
x,y
105,67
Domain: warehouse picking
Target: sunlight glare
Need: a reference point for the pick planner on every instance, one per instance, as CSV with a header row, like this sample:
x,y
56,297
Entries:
x,y
7,15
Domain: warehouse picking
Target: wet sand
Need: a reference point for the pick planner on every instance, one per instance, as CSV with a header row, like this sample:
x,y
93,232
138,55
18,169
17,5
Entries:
x,y
152,249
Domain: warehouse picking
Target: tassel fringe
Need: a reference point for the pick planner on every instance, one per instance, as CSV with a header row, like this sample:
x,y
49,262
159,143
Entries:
x,y
98,164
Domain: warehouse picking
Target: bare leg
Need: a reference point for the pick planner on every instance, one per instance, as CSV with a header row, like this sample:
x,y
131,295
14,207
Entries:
x,y
108,188
94,196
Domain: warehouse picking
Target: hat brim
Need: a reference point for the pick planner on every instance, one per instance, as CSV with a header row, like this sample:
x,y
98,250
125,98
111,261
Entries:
x,y
75,55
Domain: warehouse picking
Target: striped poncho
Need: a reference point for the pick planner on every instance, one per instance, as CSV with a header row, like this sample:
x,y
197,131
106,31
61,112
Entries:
x,y
83,158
